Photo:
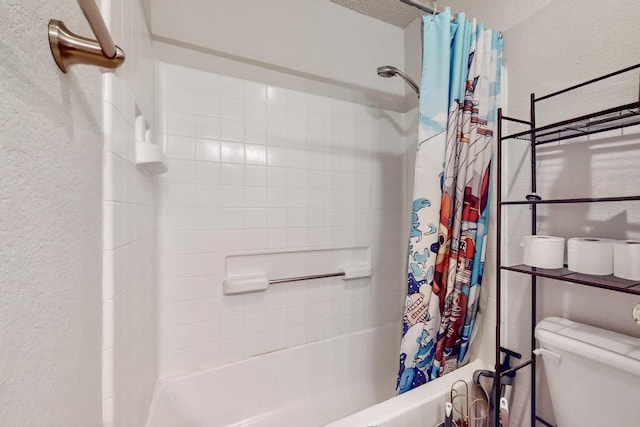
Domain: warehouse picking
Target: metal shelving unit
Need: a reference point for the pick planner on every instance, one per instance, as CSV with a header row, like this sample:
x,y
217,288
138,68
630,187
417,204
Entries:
x,y
604,282
611,119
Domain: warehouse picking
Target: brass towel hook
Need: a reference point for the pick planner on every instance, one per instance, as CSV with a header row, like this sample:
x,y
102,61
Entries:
x,y
69,49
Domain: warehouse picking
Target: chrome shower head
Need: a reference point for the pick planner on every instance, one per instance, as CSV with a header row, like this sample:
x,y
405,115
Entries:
x,y
387,71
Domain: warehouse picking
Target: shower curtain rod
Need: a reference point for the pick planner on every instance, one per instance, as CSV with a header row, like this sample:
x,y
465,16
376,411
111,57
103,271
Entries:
x,y
419,6
430,10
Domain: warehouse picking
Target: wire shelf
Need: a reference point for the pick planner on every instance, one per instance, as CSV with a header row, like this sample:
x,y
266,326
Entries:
x,y
571,200
602,121
604,282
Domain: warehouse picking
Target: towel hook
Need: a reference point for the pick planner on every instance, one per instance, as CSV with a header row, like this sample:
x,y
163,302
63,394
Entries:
x,y
636,314
69,49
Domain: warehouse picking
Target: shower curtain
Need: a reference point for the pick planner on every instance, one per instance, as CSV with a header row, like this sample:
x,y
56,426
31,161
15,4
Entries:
x,y
457,114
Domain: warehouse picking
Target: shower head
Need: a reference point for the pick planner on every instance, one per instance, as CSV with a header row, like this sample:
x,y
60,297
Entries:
x,y
387,71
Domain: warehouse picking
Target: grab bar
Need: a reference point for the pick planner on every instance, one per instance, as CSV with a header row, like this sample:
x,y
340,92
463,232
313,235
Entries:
x,y
299,278
69,49
241,283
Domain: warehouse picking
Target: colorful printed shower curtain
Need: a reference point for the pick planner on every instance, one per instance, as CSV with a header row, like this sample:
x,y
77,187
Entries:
x,y
457,114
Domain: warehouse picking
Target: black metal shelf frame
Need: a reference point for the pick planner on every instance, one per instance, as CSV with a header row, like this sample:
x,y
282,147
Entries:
x,y
610,119
610,282
571,201
602,121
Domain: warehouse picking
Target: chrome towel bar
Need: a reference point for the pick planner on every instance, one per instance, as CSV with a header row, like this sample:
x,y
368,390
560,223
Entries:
x,y
299,278
69,49
252,282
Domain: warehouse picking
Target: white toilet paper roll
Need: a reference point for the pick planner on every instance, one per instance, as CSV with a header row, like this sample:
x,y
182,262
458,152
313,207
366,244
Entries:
x,y
543,251
626,259
590,255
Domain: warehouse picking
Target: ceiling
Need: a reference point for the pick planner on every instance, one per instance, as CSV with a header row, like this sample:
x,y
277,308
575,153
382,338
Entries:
x,y
393,12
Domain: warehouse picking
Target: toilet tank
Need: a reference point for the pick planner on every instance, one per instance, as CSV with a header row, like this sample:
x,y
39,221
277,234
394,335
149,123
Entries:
x,y
593,374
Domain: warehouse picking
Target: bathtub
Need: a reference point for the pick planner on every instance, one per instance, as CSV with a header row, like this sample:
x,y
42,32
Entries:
x,y
337,382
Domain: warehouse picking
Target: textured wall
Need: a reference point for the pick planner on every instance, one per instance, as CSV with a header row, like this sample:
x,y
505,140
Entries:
x,y
50,225
556,46
255,168
548,46
129,279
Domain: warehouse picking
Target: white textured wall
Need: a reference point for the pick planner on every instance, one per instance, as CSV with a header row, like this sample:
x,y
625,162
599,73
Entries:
x,y
129,274
315,39
413,60
50,225
548,46
255,168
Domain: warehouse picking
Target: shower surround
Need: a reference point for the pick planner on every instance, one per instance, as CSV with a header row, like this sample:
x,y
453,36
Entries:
x,y
306,386
260,169
255,168
129,265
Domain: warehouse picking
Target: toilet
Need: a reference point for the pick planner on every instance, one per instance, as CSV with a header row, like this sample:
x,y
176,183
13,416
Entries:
x,y
593,374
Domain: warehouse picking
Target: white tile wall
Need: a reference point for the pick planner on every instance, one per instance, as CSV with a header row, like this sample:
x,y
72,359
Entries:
x,y
129,226
255,168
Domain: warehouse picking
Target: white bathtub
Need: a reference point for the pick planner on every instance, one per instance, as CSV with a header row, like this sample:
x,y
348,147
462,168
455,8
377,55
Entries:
x,y
423,406
306,386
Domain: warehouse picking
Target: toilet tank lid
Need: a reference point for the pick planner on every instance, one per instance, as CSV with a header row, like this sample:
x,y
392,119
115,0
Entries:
x,y
600,345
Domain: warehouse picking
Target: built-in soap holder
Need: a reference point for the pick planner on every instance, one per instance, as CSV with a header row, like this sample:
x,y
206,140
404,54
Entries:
x,y
149,155
256,272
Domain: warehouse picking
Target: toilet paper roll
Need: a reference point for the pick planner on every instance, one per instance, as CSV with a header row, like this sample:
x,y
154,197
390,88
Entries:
x,y
590,255
626,259
543,251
